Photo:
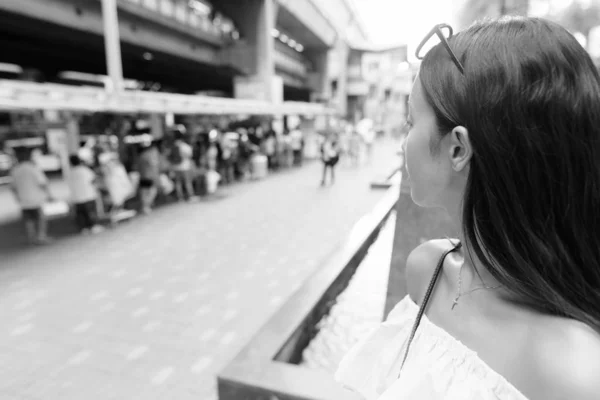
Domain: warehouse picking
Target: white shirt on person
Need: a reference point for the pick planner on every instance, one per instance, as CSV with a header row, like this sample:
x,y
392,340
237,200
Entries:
x,y
28,180
187,153
270,145
81,184
296,137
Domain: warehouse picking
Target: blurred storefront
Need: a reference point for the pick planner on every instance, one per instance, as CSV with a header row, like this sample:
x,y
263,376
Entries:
x,y
379,84
94,67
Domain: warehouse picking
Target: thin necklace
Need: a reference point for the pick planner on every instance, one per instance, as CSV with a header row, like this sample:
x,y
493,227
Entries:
x,y
459,294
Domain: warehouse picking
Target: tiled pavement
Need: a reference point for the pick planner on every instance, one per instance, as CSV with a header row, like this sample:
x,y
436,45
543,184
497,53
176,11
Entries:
x,y
155,308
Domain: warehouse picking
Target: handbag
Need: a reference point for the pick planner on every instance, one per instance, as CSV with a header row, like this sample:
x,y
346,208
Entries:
x,y
166,184
56,209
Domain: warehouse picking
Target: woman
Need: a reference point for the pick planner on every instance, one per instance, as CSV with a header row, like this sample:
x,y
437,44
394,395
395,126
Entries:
x,y
504,134
149,169
330,155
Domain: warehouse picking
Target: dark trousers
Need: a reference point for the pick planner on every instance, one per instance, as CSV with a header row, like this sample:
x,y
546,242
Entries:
x,y
297,157
331,168
84,214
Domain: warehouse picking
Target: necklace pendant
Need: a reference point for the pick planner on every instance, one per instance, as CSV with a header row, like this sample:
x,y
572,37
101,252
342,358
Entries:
x,y
454,304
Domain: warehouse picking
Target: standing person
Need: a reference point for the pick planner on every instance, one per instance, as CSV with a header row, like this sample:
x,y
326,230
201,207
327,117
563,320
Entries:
x,y
270,144
30,187
330,155
280,149
367,132
180,157
354,147
212,155
287,149
297,144
244,152
344,143
84,195
504,137
227,157
149,169
368,139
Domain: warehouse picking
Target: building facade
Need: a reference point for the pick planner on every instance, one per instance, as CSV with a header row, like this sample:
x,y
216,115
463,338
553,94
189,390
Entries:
x,y
64,61
379,84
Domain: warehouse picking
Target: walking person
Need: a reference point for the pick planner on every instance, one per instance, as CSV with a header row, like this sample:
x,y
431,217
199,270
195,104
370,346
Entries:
x,y
354,142
30,187
503,136
227,158
297,144
269,146
149,169
180,157
330,155
84,195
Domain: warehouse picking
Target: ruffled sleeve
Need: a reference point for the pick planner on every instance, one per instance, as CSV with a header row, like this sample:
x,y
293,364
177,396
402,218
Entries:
x,y
438,366
367,366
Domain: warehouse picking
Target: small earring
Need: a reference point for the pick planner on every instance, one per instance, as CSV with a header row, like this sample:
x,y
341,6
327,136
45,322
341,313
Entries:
x,y
455,167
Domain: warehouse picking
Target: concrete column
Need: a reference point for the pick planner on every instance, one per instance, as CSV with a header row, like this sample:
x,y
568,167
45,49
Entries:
x,y
257,23
342,92
265,48
112,44
320,79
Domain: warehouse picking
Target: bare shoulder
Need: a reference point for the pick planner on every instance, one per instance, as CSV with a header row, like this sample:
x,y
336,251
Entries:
x,y
421,263
569,360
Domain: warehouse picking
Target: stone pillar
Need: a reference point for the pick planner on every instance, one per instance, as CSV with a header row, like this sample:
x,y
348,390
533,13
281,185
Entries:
x,y
342,92
112,44
319,80
257,24
265,47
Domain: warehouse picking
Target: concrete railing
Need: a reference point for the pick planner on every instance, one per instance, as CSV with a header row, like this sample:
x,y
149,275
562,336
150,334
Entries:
x,y
266,368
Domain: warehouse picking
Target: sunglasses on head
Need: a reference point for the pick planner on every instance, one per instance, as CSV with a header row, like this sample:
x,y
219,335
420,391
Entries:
x,y
437,30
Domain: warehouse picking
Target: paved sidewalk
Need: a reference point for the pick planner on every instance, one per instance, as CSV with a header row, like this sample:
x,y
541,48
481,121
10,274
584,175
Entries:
x,y
155,308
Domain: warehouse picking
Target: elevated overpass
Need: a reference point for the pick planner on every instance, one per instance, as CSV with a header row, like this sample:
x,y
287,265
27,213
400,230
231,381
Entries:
x,y
168,42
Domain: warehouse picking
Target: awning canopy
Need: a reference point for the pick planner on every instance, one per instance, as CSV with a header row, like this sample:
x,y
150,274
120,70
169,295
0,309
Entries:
x,y
16,95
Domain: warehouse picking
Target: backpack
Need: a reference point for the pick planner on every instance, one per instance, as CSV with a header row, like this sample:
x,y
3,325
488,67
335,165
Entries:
x,y
175,157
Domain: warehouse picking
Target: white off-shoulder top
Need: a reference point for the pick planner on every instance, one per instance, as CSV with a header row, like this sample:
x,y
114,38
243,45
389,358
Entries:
x,y
438,367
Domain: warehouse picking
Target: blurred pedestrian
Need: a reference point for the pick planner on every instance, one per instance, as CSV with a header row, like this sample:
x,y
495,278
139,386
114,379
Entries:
x,y
31,189
354,143
180,157
288,152
269,146
330,155
297,144
84,195
149,169
227,157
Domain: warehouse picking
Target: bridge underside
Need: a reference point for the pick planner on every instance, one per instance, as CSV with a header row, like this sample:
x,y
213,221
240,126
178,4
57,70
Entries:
x,y
51,48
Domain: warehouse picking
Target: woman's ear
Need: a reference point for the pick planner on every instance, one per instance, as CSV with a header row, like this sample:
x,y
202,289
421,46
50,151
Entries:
x,y
460,148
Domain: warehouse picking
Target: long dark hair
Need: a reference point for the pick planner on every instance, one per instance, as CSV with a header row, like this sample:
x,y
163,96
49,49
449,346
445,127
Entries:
x,y
530,99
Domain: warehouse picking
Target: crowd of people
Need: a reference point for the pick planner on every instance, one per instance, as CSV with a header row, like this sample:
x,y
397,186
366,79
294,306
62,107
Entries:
x,y
180,167
104,187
